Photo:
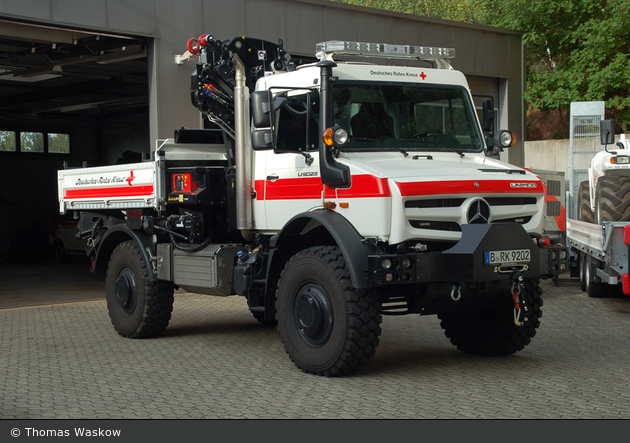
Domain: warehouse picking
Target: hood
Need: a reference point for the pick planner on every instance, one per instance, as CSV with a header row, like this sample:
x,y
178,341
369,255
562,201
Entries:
x,y
434,166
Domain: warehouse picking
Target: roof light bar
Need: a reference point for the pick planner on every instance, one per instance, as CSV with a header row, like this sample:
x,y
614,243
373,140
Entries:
x,y
326,50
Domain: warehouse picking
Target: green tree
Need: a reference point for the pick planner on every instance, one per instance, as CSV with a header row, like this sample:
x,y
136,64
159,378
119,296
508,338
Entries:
x,y
578,50
459,10
59,143
7,141
31,142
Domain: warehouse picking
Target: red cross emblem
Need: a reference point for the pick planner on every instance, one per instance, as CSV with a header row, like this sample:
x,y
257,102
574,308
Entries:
x,y
423,75
130,178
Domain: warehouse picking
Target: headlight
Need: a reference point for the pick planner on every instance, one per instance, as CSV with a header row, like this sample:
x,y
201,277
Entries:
x,y
335,136
504,139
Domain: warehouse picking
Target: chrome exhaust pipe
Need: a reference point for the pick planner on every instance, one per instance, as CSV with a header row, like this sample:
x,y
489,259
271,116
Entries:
x,y
243,152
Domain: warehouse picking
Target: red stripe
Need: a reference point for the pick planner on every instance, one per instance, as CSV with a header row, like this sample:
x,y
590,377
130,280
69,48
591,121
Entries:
x,y
466,187
133,191
293,189
363,186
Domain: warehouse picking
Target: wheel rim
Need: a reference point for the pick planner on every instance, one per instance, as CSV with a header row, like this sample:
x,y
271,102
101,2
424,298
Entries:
x,y
126,290
313,314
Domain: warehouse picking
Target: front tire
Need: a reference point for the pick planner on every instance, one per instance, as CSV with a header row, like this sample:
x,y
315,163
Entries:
x,y
492,332
327,326
137,307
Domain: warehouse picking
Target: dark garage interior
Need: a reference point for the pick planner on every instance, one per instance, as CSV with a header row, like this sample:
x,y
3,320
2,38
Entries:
x,y
66,97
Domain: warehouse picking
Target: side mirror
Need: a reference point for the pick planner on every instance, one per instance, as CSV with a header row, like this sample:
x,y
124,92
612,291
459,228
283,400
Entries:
x,y
607,132
488,114
262,139
261,109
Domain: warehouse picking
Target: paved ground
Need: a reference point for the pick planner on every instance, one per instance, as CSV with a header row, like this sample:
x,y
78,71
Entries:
x,y
65,361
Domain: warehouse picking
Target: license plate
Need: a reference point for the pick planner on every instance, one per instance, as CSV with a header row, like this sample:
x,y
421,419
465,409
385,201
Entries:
x,y
507,256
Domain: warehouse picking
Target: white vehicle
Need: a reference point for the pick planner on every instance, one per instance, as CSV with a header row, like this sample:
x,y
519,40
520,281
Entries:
x,y
600,234
354,190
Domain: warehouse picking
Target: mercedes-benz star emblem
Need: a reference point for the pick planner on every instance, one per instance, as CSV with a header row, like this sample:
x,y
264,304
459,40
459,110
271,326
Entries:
x,y
478,212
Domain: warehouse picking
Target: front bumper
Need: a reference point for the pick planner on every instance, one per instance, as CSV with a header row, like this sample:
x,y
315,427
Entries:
x,y
465,262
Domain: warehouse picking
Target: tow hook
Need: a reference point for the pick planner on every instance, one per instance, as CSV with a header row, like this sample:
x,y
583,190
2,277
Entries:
x,y
520,303
456,292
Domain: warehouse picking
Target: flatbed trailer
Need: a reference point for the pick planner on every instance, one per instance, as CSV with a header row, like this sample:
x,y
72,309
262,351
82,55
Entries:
x,y
602,253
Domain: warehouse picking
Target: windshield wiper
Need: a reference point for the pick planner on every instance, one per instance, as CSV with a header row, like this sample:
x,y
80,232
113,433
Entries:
x,y
435,142
461,154
366,139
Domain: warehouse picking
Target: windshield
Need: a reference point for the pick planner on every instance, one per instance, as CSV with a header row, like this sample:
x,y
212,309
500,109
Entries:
x,y
403,116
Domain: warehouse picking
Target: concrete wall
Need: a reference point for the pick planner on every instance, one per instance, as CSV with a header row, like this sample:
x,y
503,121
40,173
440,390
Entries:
x,y
553,155
481,51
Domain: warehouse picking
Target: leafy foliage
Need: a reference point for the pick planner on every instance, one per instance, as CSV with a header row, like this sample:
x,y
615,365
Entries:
x,y
459,10
7,141
578,50
31,142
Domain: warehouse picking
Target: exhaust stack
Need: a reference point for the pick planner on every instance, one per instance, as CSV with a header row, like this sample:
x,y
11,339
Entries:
x,y
243,152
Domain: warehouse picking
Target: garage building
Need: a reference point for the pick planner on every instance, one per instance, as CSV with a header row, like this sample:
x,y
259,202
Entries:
x,y
95,82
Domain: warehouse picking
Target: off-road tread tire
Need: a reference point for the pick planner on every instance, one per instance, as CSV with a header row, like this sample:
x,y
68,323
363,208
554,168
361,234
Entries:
x,y
586,214
493,332
156,302
613,198
363,311
594,286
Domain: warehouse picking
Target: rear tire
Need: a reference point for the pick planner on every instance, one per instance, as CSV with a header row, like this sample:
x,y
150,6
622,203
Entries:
x,y
594,286
613,199
327,326
492,332
582,270
137,307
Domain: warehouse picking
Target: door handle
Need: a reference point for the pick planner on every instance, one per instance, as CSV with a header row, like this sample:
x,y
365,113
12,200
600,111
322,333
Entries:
x,y
272,177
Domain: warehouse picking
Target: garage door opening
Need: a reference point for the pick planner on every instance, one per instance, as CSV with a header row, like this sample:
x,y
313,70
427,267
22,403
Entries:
x,y
67,97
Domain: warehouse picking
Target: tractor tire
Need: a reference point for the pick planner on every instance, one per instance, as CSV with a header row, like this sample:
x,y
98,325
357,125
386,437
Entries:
x,y
327,326
137,307
585,212
613,199
594,287
493,332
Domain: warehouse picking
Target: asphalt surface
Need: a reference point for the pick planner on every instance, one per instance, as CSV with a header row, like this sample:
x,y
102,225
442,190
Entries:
x,y
60,358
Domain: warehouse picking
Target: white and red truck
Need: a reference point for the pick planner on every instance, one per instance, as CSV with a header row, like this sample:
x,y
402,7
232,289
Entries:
x,y
332,194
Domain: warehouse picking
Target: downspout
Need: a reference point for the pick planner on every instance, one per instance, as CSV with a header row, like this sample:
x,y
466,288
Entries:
x,y
243,152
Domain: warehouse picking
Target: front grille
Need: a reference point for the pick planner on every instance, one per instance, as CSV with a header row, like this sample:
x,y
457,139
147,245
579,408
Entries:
x,y
435,203
510,201
521,220
436,225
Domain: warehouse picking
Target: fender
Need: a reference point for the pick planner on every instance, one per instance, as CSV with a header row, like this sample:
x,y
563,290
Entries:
x,y
354,247
118,234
